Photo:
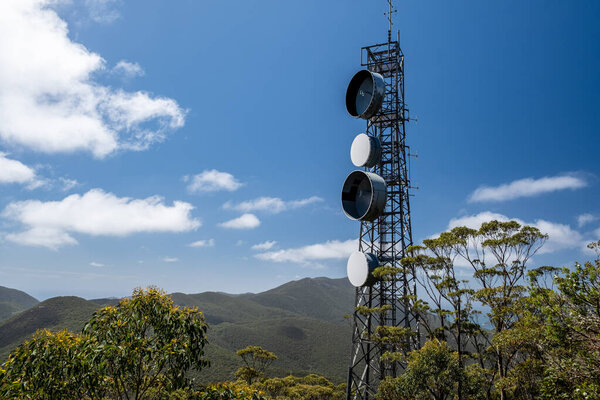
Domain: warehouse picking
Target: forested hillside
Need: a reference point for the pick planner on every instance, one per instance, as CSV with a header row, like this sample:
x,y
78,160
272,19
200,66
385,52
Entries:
x,y
302,321
12,301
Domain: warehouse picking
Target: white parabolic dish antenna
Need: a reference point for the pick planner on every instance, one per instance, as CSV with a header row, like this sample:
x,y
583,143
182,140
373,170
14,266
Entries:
x,y
365,151
360,267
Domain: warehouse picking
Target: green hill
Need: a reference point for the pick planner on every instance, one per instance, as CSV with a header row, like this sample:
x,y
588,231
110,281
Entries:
x,y
301,321
57,313
13,301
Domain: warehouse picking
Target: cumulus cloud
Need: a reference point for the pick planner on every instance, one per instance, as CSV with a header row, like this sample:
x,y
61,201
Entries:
x,y
127,69
585,219
527,187
265,245
97,213
270,204
246,221
50,100
203,243
560,236
330,250
13,171
212,181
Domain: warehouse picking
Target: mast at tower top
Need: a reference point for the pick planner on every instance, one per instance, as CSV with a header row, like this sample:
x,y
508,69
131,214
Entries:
x,y
391,10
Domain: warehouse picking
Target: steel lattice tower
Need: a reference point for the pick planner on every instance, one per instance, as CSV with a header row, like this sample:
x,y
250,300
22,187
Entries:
x,y
390,234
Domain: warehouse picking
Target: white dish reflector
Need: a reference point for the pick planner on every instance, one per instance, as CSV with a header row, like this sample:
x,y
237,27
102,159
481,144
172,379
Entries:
x,y
360,268
365,151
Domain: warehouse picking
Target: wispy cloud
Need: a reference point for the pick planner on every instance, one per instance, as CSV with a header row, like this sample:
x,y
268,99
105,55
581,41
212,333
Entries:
x,y
95,213
67,184
246,221
53,103
560,236
170,259
265,245
212,181
203,243
585,219
128,69
330,250
273,205
96,264
103,11
527,187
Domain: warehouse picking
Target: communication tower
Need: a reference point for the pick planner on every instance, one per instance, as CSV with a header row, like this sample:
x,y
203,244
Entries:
x,y
378,196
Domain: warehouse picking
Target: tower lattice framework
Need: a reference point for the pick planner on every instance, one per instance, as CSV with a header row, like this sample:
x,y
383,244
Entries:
x,y
389,235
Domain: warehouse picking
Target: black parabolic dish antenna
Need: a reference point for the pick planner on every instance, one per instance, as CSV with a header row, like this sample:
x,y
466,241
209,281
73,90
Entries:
x,y
363,195
365,94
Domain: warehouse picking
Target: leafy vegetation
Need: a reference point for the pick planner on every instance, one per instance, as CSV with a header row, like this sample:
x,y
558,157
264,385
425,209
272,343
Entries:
x,y
256,360
541,338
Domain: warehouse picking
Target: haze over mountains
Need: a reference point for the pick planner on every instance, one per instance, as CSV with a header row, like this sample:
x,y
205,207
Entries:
x,y
301,321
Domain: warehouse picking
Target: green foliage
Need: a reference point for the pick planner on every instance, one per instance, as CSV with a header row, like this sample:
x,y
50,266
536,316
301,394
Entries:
x,y
256,360
432,372
310,387
147,341
143,343
51,366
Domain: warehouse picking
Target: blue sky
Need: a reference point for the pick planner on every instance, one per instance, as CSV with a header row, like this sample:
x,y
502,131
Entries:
x,y
201,145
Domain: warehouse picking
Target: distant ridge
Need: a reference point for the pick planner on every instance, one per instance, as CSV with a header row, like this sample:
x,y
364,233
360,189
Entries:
x,y
301,321
12,301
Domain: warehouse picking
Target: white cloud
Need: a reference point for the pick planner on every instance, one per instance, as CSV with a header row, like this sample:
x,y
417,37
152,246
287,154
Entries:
x,y
13,171
51,238
270,204
212,181
128,69
96,264
330,250
67,184
527,187
102,11
170,259
95,213
203,243
585,219
265,245
560,236
49,99
246,221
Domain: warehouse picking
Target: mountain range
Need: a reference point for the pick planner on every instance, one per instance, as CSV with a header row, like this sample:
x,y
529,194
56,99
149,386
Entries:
x,y
302,322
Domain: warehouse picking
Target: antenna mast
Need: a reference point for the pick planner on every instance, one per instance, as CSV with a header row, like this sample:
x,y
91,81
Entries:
x,y
391,10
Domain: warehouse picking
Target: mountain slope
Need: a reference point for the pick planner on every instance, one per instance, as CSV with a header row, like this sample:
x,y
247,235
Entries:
x,y
13,301
300,321
321,298
57,313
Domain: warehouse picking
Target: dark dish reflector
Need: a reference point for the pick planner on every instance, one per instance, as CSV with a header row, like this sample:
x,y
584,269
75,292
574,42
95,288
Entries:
x,y
365,94
363,196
